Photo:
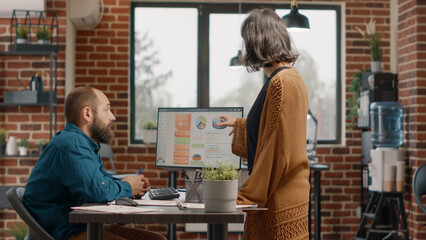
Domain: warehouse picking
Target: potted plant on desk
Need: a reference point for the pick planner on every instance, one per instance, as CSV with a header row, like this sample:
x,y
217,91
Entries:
x,y
23,147
2,141
220,187
149,132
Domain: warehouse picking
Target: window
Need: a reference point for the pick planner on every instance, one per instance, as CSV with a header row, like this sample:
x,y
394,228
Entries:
x,y
180,54
229,87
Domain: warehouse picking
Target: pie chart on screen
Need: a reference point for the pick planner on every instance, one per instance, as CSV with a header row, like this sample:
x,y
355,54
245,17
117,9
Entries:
x,y
196,157
217,120
200,122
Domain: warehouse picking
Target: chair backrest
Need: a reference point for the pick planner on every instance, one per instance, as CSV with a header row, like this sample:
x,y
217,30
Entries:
x,y
106,152
34,230
311,135
419,185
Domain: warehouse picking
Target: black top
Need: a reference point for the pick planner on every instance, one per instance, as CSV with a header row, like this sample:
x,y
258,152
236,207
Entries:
x,y
253,121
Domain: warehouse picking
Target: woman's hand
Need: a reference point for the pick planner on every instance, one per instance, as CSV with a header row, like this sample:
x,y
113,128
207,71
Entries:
x,y
226,121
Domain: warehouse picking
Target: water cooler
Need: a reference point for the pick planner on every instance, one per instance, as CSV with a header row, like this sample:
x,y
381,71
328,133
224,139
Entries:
x,y
387,165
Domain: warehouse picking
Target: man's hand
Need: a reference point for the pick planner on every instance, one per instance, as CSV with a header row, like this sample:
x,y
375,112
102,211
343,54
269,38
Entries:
x,y
140,184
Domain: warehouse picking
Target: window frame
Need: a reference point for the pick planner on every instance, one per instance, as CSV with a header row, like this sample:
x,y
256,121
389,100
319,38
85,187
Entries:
x,y
204,9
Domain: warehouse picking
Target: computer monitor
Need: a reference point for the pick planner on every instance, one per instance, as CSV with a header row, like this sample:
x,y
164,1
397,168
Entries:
x,y
188,137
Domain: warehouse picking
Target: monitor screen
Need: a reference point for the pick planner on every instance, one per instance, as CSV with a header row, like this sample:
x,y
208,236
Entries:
x,y
188,137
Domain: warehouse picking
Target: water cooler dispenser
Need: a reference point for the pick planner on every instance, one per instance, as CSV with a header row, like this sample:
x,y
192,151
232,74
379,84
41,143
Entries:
x,y
387,165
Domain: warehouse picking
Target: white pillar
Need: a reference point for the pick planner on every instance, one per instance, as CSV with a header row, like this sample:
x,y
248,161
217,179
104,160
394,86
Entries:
x,y
70,36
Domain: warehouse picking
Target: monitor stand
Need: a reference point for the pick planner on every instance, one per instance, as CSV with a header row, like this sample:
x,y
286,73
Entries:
x,y
171,232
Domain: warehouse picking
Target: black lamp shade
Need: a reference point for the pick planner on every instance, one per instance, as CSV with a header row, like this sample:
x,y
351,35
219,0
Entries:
x,y
296,20
236,61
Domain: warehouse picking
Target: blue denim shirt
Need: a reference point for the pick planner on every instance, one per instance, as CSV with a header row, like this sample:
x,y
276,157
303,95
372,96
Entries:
x,y
69,173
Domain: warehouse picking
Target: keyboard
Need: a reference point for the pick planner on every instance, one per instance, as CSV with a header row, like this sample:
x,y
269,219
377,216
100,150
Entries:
x,y
163,193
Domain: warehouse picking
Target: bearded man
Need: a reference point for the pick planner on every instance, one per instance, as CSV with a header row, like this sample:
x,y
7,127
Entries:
x,y
70,172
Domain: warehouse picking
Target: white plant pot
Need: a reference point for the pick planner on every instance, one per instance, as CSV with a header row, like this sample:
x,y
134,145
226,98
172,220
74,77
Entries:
x,y
150,136
22,151
21,40
376,66
220,195
43,41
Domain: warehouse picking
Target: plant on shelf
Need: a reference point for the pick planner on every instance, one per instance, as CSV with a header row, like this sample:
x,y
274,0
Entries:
x,y
149,131
23,145
353,101
43,35
42,144
2,141
373,37
220,187
19,231
21,34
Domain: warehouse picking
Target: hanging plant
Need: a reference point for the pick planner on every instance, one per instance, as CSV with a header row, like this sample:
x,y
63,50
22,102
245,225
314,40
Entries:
x,y
353,101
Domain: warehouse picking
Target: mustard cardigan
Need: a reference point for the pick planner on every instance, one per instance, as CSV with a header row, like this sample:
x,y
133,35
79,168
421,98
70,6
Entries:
x,y
279,180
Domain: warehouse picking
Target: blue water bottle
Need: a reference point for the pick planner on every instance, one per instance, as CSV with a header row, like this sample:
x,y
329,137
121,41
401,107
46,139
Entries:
x,y
386,124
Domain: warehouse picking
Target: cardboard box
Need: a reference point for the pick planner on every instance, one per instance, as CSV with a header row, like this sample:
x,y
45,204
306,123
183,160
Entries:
x,y
26,97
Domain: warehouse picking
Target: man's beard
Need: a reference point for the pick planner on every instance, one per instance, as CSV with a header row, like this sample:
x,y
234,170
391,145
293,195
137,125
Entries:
x,y
100,132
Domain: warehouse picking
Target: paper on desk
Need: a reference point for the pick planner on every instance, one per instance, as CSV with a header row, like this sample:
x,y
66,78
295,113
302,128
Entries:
x,y
201,205
120,209
144,202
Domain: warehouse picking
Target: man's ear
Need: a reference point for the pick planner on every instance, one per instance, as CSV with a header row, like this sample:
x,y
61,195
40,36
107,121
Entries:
x,y
86,114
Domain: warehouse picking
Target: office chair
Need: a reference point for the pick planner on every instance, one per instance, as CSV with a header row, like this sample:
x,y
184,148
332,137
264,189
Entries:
x,y
311,136
106,152
419,186
34,230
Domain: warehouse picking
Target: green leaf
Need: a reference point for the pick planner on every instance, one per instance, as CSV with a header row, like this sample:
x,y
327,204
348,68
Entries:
x,y
222,172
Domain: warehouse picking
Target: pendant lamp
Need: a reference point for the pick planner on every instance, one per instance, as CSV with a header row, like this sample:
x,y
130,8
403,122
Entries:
x,y
294,20
236,61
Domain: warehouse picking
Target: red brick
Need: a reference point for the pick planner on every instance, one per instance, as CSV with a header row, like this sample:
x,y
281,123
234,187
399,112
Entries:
x,y
18,65
18,118
120,10
8,180
119,26
105,33
18,171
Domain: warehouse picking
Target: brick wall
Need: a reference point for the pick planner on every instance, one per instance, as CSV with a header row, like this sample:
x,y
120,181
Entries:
x,y
102,61
412,95
27,122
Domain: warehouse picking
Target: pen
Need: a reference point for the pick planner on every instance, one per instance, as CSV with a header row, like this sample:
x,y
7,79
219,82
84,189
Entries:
x,y
140,171
179,204
184,174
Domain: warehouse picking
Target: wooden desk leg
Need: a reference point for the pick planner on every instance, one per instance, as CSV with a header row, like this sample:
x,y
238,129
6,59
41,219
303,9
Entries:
x,y
95,231
317,207
217,231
